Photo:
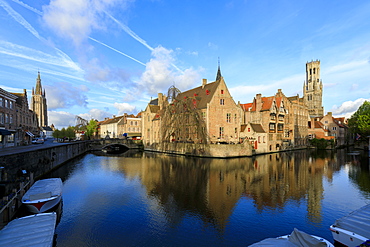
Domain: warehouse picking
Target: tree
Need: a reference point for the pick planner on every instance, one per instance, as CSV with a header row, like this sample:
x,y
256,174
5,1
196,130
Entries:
x,y
57,134
359,123
91,128
70,132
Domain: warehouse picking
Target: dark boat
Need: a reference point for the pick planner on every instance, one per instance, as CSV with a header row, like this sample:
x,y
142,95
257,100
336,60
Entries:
x,y
114,149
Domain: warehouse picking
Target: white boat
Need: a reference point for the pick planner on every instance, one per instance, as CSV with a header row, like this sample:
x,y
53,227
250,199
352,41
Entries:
x,y
353,229
33,230
43,195
296,238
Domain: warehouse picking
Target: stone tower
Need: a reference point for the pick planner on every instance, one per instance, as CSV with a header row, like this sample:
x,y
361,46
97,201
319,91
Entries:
x,y
312,89
38,103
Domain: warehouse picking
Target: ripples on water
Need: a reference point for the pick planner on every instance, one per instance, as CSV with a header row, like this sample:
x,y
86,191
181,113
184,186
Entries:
x,y
146,199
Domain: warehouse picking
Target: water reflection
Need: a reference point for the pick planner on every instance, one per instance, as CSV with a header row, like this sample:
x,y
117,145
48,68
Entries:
x,y
283,186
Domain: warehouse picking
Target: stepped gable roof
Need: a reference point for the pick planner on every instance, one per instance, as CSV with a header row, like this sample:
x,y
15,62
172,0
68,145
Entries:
x,y
203,94
258,128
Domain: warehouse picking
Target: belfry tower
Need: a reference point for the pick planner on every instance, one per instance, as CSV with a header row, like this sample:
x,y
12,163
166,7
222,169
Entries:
x,y
312,89
38,103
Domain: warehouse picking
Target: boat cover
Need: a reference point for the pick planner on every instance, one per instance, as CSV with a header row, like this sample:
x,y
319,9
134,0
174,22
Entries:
x,y
33,230
296,238
358,222
43,189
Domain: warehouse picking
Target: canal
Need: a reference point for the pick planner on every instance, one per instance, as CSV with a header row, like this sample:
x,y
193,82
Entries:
x,y
153,199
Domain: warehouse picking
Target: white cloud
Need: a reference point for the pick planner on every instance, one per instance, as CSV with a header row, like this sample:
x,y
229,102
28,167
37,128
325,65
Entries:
x,y
64,95
75,19
124,108
95,114
61,119
347,108
160,73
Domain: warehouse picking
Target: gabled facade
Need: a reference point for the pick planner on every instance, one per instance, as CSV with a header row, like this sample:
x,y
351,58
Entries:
x,y
271,113
336,128
26,120
109,127
7,118
256,136
130,126
150,120
207,109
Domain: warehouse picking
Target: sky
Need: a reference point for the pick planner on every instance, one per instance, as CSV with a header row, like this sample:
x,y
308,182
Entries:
x,y
109,57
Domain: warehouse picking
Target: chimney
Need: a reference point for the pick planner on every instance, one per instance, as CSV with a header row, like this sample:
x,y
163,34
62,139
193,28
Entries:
x,y
204,82
258,102
160,100
330,114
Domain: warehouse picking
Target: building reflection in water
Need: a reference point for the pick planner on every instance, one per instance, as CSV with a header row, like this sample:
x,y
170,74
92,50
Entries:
x,y
210,188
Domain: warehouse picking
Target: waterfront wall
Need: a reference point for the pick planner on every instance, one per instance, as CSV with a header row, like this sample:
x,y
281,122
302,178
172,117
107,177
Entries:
x,y
202,150
39,161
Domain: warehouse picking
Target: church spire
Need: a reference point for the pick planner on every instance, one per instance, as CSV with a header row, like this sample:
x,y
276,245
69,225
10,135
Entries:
x,y
38,89
218,77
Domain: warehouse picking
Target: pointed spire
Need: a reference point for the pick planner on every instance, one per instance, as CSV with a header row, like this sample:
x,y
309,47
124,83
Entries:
x,y
218,77
38,89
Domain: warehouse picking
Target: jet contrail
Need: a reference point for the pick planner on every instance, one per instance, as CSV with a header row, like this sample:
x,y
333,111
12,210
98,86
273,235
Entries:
x,y
135,36
97,41
18,18
28,7
130,32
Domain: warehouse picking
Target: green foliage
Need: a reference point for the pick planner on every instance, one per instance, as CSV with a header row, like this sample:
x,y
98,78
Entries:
x,y
359,123
322,143
70,133
91,128
57,134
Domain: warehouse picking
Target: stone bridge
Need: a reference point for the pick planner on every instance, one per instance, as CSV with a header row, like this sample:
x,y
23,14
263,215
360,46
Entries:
x,y
131,144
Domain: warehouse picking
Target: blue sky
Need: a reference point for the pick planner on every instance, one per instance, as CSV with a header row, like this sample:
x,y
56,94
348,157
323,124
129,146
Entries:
x,y
104,58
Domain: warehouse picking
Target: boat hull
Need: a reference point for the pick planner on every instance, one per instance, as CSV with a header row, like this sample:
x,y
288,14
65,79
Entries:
x,y
37,207
44,195
32,230
346,238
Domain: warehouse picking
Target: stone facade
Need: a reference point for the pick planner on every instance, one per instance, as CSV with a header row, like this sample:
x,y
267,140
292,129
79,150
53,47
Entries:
x,y
211,104
38,103
313,89
8,114
26,120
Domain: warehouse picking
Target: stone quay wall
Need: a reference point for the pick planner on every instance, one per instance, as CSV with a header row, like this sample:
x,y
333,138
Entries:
x,y
39,161
201,150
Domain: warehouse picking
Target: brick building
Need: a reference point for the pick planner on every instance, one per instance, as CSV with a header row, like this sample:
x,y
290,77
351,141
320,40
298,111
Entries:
x,y
209,106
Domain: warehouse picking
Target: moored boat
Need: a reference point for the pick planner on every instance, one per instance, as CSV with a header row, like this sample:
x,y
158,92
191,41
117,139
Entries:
x,y
353,229
296,238
43,195
32,230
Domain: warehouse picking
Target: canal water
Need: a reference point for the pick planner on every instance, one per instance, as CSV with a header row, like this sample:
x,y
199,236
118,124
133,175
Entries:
x,y
152,199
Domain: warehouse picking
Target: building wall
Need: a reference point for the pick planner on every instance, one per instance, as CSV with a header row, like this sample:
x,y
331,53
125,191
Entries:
x,y
7,118
223,116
